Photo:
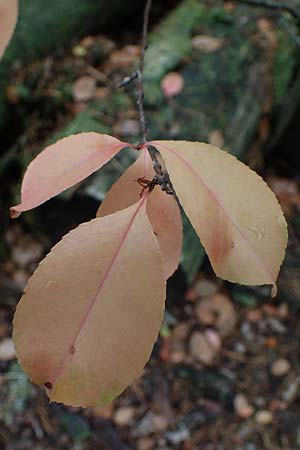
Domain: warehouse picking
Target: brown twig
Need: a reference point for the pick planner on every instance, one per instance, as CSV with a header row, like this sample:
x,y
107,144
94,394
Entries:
x,y
140,86
161,178
140,72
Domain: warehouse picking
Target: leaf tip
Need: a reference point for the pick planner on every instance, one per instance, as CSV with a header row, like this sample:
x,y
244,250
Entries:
x,y
14,213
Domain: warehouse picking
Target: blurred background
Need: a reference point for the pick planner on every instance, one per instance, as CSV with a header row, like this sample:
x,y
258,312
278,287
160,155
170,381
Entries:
x,y
225,372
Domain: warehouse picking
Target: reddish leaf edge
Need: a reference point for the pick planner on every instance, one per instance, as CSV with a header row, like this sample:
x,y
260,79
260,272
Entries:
x,y
17,210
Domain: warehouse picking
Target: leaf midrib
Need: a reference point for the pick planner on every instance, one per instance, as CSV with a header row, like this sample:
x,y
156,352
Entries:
x,y
214,197
101,284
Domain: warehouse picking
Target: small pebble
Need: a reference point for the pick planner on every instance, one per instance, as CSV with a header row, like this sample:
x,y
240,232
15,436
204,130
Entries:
x,y
7,350
241,406
179,435
264,417
204,347
291,392
254,315
124,415
280,367
276,325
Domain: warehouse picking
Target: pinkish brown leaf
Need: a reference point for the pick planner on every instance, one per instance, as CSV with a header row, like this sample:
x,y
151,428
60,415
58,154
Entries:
x,y
84,88
206,44
172,84
87,322
162,209
234,212
64,164
8,19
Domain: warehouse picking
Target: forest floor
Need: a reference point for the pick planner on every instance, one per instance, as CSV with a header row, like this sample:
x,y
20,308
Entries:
x,y
225,371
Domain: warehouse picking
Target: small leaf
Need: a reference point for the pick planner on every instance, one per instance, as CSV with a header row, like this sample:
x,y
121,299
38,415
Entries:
x,y
84,88
162,209
8,20
87,322
234,212
64,164
206,44
172,84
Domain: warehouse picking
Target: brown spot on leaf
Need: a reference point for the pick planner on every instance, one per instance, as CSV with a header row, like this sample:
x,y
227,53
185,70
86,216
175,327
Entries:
x,y
220,238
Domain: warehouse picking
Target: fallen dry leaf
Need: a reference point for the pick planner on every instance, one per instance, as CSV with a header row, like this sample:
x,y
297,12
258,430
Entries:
x,y
126,56
172,84
206,44
204,347
219,311
84,89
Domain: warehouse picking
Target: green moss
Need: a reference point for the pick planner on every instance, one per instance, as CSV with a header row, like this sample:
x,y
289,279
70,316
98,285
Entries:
x,y
171,41
18,390
284,66
82,123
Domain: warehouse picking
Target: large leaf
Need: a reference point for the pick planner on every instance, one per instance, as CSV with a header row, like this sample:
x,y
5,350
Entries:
x,y
8,19
162,209
87,322
234,212
64,164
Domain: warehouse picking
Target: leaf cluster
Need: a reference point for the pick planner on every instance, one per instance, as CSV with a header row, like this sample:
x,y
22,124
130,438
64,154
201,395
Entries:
x,y
87,322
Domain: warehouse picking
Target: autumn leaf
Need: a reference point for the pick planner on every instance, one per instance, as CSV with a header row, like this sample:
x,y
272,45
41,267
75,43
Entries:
x,y
64,164
234,212
87,322
206,44
172,84
8,19
162,209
